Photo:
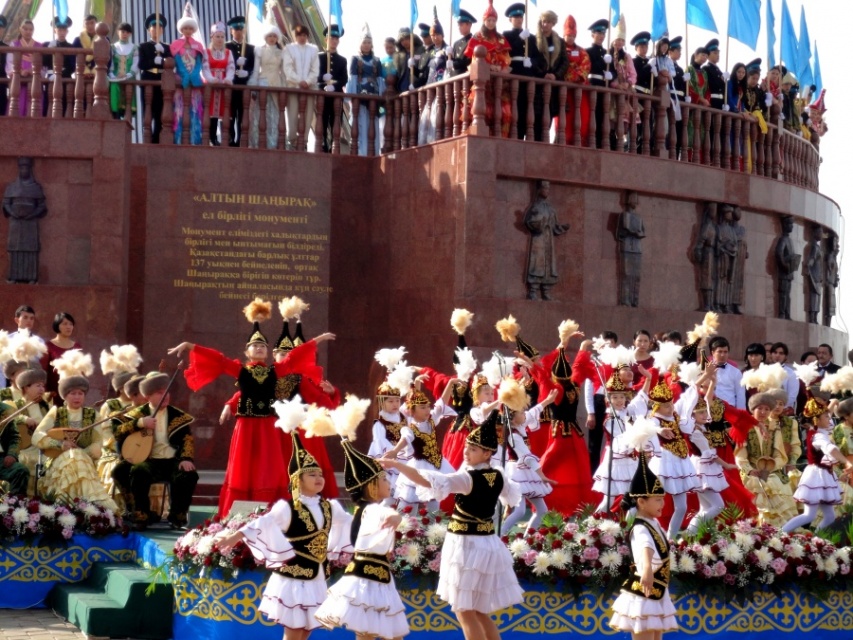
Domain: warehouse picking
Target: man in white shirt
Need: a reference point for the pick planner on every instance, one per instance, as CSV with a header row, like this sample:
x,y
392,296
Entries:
x,y
25,318
779,354
301,71
728,387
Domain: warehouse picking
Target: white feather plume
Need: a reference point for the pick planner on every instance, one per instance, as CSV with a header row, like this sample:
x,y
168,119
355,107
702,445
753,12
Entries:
x,y
349,415
668,354
291,413
838,382
467,364
808,373
599,344
708,328
292,307
24,347
318,422
73,363
765,378
4,346
390,358
124,358
566,329
689,372
618,355
641,431
460,320
401,377
494,370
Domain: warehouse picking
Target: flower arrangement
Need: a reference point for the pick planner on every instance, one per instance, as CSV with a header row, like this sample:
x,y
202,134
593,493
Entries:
x,y
54,520
419,538
196,554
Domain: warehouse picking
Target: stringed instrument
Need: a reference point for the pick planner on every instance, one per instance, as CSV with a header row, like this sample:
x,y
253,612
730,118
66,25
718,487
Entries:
x,y
26,436
138,445
72,434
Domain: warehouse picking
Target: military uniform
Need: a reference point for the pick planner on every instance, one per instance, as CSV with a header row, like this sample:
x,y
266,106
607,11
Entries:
x,y
336,65
151,69
643,87
519,49
597,78
679,82
236,49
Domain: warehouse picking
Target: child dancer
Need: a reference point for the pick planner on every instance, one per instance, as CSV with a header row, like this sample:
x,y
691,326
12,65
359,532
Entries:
x,y
842,436
365,600
476,576
290,540
819,489
390,422
644,607
522,467
619,413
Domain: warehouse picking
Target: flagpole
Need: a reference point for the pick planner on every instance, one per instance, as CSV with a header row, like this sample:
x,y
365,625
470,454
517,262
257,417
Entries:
x,y
245,30
686,45
726,65
609,24
328,51
449,40
527,39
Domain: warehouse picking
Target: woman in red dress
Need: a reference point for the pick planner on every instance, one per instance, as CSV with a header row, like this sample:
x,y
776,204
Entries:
x,y
259,453
498,58
218,70
63,325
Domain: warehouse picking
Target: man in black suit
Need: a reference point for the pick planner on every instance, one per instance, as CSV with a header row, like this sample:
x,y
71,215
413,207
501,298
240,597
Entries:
x,y
525,60
824,360
332,81
69,63
151,55
245,62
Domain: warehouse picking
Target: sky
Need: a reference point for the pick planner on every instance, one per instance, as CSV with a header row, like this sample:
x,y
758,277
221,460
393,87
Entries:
x,y
825,25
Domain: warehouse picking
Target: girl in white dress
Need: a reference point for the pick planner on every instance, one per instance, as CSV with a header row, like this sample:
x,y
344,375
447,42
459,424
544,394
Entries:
x,y
365,600
285,540
818,490
619,413
644,607
476,576
390,421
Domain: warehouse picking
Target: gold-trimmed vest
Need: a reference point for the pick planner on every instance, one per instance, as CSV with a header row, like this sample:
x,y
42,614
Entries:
x,y
257,384
392,429
310,541
425,445
661,576
90,416
462,403
678,445
370,566
473,513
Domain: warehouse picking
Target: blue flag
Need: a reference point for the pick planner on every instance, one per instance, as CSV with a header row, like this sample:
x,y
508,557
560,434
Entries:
x,y
745,21
60,7
788,54
414,14
804,54
614,9
259,5
771,36
659,27
699,15
818,81
455,7
337,14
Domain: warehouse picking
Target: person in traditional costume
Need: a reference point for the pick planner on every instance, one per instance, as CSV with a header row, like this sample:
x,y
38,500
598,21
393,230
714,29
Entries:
x,y
476,576
218,69
24,40
171,457
295,540
577,72
367,77
842,437
72,473
35,407
436,58
257,459
86,40
365,600
124,65
11,370
498,58
190,56
819,490
14,475
644,607
389,421
268,72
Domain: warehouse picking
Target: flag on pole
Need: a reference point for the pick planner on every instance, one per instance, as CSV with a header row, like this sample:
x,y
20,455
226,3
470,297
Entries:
x,y
614,10
455,7
745,21
259,5
699,15
818,81
414,14
789,44
804,54
60,8
337,14
659,26
771,36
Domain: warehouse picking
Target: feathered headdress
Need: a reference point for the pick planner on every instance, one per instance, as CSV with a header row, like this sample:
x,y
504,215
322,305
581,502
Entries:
x,y
508,328
460,320
347,417
566,329
641,431
765,378
708,328
465,364
73,362
617,356
390,358
494,370
401,377
4,345
318,422
24,346
123,358
257,311
689,372
292,307
838,382
291,413
808,373
513,394
667,355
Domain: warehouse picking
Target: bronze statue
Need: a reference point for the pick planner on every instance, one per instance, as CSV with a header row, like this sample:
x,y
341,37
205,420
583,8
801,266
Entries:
x,y
739,269
24,203
541,220
815,269
787,263
830,278
726,253
629,232
704,256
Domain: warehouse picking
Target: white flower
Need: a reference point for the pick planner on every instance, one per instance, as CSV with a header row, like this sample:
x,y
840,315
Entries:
x,y
733,553
204,546
609,526
775,543
20,515
686,564
610,559
843,555
541,563
406,525
830,565
91,510
47,511
412,555
763,557
559,558
189,538
794,550
707,553
571,527
590,523
68,520
744,540
435,533
518,547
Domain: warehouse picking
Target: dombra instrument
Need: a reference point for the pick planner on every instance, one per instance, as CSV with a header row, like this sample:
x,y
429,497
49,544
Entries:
x,y
138,445
26,436
71,434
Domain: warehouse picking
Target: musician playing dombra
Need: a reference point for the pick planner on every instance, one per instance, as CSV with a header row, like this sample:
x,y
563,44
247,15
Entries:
x,y
171,457
64,434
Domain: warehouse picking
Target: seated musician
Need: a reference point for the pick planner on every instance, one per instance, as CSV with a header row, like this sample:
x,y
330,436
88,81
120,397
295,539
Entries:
x,y
170,458
67,434
13,475
33,408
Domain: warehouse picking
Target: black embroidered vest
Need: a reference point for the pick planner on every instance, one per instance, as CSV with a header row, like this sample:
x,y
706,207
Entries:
x,y
309,541
370,566
473,513
392,429
461,402
661,576
425,445
257,384
564,416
